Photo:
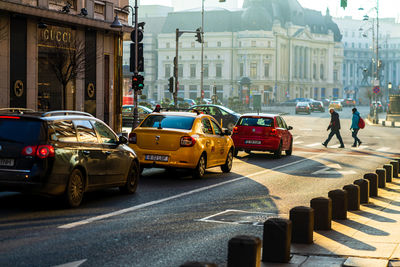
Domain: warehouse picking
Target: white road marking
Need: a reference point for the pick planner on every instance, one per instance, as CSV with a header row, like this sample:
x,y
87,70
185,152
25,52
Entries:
x,y
363,147
336,167
383,149
315,144
298,142
72,264
155,202
305,129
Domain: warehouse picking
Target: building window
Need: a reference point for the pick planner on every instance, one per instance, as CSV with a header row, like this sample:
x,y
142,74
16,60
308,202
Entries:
x,y
240,44
321,72
269,43
335,75
314,71
192,70
192,91
180,70
352,45
253,44
205,44
266,70
219,44
205,71
218,70
192,44
241,70
167,71
253,70
167,45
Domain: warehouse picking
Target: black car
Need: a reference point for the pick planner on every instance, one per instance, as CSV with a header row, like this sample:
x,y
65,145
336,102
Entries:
x,y
226,118
303,107
127,114
317,106
63,153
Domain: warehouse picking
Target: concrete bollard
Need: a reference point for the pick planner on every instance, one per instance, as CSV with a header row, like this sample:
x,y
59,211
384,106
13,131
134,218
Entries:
x,y
339,204
395,165
243,251
322,213
276,240
302,224
373,183
353,196
198,264
389,172
381,172
364,190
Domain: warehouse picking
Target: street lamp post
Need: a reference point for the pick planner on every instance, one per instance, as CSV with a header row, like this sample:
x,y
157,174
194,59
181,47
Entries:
x,y
202,51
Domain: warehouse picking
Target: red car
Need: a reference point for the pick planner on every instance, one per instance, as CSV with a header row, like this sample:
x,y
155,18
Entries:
x,y
262,132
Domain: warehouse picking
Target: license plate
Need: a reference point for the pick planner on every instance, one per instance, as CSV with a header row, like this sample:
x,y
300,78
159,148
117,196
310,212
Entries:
x,y
252,142
6,162
156,158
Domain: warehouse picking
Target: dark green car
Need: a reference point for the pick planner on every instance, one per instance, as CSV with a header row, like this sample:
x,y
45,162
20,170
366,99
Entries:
x,y
226,118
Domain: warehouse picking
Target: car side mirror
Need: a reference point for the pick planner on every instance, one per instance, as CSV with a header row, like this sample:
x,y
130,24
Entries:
x,y
290,128
122,140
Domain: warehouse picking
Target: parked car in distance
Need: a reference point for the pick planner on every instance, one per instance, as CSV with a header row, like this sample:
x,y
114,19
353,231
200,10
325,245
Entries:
x,y
303,107
293,102
262,132
317,106
326,101
187,140
349,102
63,153
127,114
226,118
336,105
378,105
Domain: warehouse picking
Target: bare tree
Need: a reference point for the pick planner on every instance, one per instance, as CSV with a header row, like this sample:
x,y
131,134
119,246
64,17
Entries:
x,y
67,63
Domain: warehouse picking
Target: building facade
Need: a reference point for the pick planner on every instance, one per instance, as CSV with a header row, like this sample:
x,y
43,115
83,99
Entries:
x,y
359,68
281,50
59,54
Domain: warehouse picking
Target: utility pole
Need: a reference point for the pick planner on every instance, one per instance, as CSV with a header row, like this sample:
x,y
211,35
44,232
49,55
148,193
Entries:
x,y
176,69
135,99
202,51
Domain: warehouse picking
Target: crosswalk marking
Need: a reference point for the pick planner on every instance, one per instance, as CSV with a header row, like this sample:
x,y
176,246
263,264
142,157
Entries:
x,y
363,147
383,149
315,144
297,142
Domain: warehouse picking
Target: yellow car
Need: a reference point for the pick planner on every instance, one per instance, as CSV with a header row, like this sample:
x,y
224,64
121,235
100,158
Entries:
x,y
185,140
336,105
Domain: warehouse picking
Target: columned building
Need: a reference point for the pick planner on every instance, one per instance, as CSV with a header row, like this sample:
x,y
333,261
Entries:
x,y
62,54
282,49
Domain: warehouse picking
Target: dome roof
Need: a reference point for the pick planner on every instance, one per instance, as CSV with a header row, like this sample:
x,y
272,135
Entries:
x,y
256,18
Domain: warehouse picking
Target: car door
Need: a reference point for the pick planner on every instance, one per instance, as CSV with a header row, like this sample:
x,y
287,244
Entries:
x,y
283,133
220,143
91,153
116,159
209,140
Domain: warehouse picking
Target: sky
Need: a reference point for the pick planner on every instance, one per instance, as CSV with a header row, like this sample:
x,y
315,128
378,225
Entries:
x,y
387,8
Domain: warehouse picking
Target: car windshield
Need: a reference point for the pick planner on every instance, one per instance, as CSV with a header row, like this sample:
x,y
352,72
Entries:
x,y
256,121
165,121
20,130
228,110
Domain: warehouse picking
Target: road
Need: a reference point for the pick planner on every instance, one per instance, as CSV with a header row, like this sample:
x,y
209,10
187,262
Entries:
x,y
173,218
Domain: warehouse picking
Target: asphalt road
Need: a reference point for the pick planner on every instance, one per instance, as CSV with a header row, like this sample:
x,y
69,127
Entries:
x,y
173,218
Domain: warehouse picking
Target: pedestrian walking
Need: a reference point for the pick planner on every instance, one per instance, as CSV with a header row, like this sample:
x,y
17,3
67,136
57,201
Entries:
x,y
354,128
157,109
334,126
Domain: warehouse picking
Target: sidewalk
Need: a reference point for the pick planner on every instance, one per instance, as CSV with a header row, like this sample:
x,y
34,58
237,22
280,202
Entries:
x,y
382,121
369,237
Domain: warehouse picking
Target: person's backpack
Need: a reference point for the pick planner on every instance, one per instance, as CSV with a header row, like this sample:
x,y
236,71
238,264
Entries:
x,y
361,123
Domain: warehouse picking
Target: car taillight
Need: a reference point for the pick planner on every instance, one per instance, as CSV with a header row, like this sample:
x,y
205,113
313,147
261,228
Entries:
x,y
132,138
273,132
9,117
45,151
235,130
187,141
29,150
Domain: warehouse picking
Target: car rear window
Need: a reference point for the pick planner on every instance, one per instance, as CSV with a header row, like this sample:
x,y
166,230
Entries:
x,y
164,121
20,130
256,121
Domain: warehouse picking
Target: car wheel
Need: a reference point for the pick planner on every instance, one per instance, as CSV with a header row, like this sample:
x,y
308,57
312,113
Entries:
x,y
132,179
289,151
75,189
235,152
278,152
200,168
228,162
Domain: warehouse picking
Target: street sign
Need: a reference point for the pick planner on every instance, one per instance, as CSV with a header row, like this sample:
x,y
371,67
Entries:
x,y
376,82
376,90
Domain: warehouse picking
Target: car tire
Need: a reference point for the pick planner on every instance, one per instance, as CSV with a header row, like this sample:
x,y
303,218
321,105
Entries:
x,y
200,169
75,189
235,152
228,162
278,152
132,179
290,150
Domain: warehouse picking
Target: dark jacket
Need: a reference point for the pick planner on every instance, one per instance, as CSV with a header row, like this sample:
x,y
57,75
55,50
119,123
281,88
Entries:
x,y
334,125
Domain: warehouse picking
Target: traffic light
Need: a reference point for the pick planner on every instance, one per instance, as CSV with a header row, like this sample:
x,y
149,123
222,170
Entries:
x,y
137,82
171,84
140,61
343,3
198,35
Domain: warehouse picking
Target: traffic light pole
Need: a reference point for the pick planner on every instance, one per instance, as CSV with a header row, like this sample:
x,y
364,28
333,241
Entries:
x,y
136,72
